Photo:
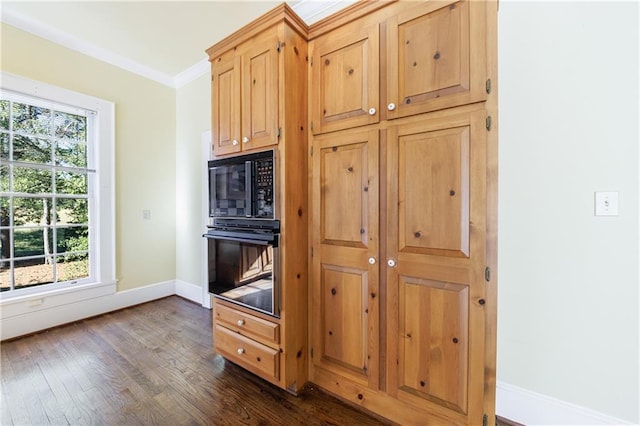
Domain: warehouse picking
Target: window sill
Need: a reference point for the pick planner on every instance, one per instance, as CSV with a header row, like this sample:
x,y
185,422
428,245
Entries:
x,y
20,305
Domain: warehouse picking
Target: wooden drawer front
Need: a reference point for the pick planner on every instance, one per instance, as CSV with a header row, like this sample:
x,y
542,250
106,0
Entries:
x,y
248,324
254,356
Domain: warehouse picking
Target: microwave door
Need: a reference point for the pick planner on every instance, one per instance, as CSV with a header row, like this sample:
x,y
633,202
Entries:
x,y
248,188
213,184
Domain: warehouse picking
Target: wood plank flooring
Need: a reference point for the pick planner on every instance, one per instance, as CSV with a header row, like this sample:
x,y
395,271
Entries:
x,y
151,364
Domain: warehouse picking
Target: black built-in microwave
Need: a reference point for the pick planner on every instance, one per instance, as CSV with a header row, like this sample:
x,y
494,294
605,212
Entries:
x,y
242,186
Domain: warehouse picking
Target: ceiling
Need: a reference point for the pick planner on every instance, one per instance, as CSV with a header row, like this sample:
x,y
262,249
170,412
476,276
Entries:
x,y
161,40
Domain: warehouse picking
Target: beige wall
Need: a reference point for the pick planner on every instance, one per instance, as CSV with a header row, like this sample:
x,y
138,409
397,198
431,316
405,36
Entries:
x,y
145,148
194,117
568,280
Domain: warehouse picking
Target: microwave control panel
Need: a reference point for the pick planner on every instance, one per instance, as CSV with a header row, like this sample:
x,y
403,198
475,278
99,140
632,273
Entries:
x,y
264,187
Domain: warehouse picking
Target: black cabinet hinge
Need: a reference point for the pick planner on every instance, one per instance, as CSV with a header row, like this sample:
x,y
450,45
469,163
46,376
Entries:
x,y
311,352
488,123
278,46
279,132
485,420
488,85
487,274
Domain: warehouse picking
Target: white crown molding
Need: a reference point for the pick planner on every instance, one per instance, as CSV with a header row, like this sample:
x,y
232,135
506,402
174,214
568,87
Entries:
x,y
193,72
309,10
54,35
314,10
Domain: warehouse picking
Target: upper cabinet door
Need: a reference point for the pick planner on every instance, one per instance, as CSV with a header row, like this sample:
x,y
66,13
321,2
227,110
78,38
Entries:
x,y
344,78
225,91
260,92
436,57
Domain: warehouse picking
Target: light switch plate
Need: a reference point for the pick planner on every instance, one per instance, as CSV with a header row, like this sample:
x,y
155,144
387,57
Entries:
x,y
606,203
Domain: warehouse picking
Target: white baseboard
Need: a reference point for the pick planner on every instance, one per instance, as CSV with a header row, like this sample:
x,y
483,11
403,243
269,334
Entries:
x,y
39,313
531,408
189,291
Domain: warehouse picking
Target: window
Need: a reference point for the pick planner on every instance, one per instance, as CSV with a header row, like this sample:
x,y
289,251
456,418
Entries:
x,y
56,196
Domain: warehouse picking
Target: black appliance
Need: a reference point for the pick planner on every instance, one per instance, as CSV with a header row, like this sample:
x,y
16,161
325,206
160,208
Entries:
x,y
242,186
243,259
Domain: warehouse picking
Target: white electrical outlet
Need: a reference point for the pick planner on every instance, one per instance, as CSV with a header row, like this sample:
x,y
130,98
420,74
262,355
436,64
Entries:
x,y
146,214
606,204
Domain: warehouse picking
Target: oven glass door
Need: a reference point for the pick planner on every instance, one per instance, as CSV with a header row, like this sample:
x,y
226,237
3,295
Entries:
x,y
243,271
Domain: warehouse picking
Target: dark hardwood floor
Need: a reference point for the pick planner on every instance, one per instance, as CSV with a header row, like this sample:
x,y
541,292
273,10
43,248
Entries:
x,y
151,364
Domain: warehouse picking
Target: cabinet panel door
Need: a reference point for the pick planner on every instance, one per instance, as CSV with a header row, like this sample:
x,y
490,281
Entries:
x,y
436,57
225,91
260,92
344,332
436,183
344,78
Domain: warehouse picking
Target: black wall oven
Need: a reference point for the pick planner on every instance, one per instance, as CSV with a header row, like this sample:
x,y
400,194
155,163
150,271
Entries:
x,y
243,263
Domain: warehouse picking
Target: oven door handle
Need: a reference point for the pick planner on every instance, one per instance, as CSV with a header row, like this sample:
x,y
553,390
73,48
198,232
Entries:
x,y
243,238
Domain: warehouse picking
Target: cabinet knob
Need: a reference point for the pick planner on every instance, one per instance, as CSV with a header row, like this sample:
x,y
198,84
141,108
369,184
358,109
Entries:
x,y
241,322
391,263
245,139
372,111
235,142
372,261
240,351
391,106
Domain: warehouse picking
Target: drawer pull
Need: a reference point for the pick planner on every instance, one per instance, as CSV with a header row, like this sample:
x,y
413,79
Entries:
x,y
240,351
240,322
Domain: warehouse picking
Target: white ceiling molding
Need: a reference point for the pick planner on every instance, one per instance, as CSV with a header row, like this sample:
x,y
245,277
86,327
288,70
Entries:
x,y
312,11
193,72
309,10
54,35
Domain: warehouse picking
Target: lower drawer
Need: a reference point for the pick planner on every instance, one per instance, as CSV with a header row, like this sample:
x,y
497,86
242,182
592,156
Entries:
x,y
254,356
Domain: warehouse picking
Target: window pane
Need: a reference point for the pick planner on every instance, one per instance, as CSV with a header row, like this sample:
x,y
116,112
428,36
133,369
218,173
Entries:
x,y
4,114
71,183
30,272
5,248
32,181
71,153
72,267
31,119
4,179
31,241
32,211
72,211
4,146
5,277
31,149
69,126
72,239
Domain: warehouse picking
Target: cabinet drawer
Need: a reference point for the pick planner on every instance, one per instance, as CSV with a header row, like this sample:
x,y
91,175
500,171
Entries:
x,y
252,355
247,324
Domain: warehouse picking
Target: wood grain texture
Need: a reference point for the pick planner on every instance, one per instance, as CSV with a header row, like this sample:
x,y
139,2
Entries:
x,y
148,364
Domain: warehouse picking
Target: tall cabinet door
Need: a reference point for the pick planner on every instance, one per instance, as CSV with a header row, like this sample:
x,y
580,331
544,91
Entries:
x,y
225,91
436,57
344,78
345,299
260,91
436,254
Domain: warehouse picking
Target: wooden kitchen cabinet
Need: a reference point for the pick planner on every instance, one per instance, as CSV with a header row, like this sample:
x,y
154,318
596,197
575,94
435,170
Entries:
x,y
403,300
345,295
344,77
430,56
436,56
259,100
245,95
436,249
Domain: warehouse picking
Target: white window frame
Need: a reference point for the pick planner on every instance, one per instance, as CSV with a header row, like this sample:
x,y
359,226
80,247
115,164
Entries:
x,y
102,228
